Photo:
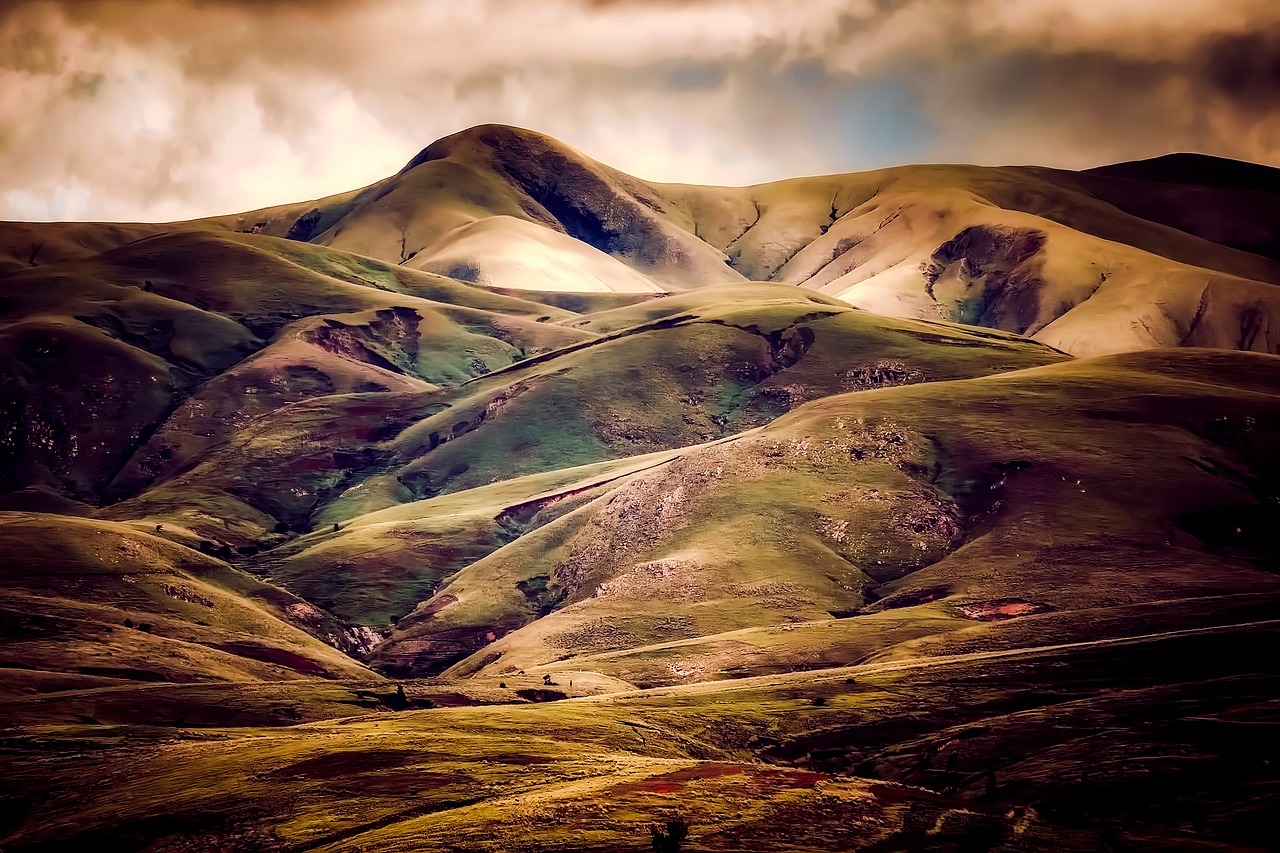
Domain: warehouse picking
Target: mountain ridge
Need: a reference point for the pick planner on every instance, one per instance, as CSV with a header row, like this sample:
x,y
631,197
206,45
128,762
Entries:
x,y
1025,249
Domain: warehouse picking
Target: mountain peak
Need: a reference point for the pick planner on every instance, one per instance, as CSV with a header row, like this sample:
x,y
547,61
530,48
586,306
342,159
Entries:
x,y
492,137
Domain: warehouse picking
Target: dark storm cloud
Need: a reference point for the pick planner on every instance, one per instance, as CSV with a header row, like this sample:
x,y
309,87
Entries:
x,y
1245,67
175,108
1091,101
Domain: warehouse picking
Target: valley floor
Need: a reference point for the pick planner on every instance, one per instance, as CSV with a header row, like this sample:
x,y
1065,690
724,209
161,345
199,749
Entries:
x,y
1163,740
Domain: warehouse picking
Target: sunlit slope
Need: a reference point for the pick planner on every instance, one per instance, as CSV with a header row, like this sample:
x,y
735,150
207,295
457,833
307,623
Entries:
x,y
126,364
88,601
930,251
1179,251
1031,251
945,503
493,170
701,536
502,251
1182,252
725,361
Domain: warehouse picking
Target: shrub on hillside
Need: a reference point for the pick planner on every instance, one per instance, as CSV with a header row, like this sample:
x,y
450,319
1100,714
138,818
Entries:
x,y
668,840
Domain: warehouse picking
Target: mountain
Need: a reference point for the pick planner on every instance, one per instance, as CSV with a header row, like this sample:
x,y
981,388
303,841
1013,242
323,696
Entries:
x,y
1182,250
1110,260
886,500
515,502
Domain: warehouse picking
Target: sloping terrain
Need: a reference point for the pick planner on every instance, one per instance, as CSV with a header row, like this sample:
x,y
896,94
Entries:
x,y
787,516
1179,251
503,250
941,502
91,601
950,614
103,350
1183,251
709,365
1151,743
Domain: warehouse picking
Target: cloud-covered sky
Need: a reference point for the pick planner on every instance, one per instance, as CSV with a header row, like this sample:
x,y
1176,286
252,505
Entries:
x,y
170,109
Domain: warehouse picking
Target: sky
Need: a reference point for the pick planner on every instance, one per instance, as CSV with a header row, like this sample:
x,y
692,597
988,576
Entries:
x,y
160,110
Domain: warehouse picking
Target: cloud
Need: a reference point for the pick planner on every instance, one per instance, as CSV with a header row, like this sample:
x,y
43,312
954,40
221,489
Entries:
x,y
178,108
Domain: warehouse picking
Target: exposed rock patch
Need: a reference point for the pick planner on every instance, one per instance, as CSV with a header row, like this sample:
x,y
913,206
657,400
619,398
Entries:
x,y
988,276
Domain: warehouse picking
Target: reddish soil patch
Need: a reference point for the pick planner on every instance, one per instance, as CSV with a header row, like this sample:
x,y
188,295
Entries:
x,y
282,657
891,795
440,602
1001,608
776,779
666,783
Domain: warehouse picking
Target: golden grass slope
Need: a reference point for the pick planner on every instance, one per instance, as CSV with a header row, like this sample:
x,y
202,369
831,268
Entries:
x,y
934,753
98,599
1089,263
942,502
105,349
1181,252
502,251
811,577
1093,262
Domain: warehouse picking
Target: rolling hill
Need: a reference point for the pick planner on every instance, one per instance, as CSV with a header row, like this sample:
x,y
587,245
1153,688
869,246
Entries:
x,y
1131,257
514,502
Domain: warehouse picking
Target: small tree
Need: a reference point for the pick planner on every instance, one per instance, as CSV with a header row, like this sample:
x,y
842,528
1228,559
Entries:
x,y
669,840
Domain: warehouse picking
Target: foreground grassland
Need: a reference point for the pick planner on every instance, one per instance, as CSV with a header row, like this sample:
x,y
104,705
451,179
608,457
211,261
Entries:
x,y
1142,743
1029,611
